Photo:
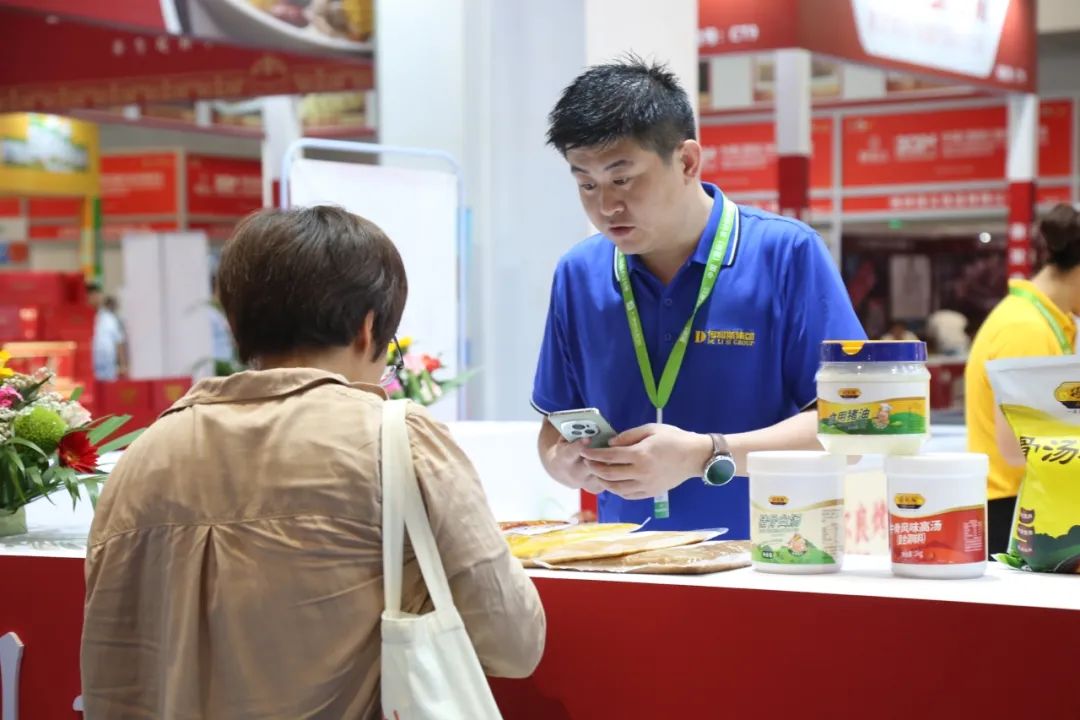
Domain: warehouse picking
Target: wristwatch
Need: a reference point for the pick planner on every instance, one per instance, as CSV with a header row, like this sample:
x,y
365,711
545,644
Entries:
x,y
720,467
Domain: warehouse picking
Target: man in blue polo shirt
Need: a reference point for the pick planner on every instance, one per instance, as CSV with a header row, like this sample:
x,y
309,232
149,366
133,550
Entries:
x,y
692,324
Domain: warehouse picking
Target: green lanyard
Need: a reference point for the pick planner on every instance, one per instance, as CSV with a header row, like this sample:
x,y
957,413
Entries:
x,y
1059,332
659,396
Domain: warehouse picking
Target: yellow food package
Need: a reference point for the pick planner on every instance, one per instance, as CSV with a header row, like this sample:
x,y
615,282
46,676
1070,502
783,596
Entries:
x,y
597,548
698,559
1040,398
526,546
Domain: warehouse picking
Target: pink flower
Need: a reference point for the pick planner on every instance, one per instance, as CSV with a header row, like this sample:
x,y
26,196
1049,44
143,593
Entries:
x,y
414,363
9,396
392,386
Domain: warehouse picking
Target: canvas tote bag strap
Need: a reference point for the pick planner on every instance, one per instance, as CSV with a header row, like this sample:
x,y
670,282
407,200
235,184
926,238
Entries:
x,y
403,508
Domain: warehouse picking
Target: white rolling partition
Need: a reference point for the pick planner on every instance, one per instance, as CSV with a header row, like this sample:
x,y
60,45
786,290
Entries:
x,y
422,211
165,300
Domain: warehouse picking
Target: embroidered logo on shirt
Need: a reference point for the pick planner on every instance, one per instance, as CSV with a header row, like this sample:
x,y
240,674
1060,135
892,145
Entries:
x,y
736,338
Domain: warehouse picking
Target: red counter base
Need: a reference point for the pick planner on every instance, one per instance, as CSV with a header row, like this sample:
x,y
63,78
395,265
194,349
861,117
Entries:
x,y
620,650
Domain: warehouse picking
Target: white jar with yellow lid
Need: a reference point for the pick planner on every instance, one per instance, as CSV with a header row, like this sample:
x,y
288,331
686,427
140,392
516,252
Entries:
x,y
873,397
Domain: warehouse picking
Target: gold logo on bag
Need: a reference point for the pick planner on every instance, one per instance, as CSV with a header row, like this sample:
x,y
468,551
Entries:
x,y
850,393
1068,394
909,501
778,500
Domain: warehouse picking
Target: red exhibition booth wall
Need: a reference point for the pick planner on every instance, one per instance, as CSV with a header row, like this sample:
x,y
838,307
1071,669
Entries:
x,y
891,161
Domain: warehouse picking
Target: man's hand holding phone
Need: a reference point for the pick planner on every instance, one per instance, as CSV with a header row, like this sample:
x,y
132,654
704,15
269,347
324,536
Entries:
x,y
648,461
566,464
578,430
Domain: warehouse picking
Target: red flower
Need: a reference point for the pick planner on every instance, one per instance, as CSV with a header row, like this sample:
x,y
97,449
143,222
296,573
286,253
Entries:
x,y
431,364
78,453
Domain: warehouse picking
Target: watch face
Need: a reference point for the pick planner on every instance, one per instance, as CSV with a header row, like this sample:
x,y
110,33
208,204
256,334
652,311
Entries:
x,y
720,471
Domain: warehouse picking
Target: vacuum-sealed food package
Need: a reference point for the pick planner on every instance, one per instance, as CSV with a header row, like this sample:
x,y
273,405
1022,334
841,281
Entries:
x,y
1040,398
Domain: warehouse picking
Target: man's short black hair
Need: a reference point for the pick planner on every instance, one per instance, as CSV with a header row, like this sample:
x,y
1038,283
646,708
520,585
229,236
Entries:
x,y
305,279
625,99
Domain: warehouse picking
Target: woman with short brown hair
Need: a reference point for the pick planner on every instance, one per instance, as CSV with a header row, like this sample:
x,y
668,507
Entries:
x,y
234,567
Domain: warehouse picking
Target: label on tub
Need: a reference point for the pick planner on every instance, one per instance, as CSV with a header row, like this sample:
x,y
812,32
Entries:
x,y
890,416
951,537
812,535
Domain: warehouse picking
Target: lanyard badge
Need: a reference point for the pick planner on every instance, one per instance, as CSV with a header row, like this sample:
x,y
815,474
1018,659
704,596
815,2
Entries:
x,y
660,394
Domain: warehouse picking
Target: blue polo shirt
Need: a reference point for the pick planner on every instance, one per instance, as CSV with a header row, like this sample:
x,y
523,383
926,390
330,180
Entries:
x,y
750,364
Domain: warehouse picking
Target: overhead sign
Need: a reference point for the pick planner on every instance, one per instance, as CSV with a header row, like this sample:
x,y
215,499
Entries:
x,y
94,66
991,43
48,154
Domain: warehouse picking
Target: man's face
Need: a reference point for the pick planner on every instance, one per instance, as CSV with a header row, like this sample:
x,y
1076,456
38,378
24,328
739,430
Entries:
x,y
630,194
95,298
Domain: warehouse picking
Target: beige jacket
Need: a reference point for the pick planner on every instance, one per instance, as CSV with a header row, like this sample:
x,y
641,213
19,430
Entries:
x,y
235,564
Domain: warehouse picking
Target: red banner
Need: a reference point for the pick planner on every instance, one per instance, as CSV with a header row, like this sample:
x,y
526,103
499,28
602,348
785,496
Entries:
x,y
737,26
985,42
143,184
51,208
132,13
91,66
969,201
1056,151
223,186
820,207
967,145
1052,195
742,157
928,147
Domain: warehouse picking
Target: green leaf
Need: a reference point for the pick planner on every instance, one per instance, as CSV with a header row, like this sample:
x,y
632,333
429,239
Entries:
x,y
72,485
1013,561
76,394
458,381
30,446
93,489
15,479
106,428
121,442
35,477
29,394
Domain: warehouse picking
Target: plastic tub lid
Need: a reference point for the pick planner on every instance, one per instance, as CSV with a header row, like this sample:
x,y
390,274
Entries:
x,y
938,464
847,351
795,462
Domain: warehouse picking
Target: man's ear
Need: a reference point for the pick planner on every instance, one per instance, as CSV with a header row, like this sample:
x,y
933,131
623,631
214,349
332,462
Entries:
x,y
689,157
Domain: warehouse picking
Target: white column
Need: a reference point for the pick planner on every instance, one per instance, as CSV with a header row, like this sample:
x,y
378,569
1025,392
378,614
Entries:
x,y
421,75
1021,171
731,82
858,82
281,126
477,78
793,107
1023,149
664,31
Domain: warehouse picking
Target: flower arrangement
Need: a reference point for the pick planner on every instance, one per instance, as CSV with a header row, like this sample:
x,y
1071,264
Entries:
x,y
47,443
418,377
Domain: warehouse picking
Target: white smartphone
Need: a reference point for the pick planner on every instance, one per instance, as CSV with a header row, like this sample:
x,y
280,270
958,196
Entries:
x,y
581,424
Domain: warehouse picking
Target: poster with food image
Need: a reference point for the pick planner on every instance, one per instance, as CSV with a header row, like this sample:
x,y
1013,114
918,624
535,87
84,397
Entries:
x,y
306,26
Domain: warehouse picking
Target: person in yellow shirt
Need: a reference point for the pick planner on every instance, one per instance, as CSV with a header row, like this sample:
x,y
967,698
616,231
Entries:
x,y
1035,319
